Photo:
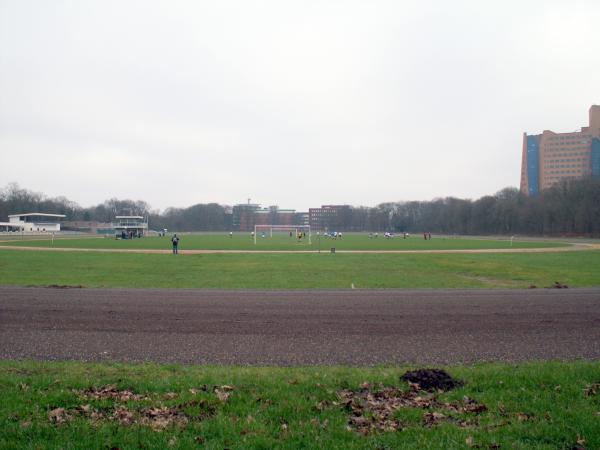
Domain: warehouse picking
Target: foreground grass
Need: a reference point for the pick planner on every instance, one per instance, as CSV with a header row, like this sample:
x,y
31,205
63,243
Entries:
x,y
299,271
243,241
548,405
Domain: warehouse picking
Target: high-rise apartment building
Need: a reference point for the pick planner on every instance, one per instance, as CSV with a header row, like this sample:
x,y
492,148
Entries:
x,y
550,157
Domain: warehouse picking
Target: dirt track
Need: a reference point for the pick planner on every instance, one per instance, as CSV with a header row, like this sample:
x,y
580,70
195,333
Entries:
x,y
299,327
570,248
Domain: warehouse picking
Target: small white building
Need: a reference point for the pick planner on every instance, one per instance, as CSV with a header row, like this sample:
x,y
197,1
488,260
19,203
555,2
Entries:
x,y
36,221
130,226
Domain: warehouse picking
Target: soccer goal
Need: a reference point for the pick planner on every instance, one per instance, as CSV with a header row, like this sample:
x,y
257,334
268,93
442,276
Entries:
x,y
296,229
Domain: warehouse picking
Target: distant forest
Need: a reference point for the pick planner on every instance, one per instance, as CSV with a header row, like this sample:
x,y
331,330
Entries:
x,y
569,208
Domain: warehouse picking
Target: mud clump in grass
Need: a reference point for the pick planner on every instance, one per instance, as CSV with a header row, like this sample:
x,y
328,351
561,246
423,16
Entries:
x,y
431,380
591,390
163,417
65,286
58,416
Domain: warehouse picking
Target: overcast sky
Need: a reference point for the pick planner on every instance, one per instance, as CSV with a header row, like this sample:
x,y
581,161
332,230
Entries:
x,y
288,103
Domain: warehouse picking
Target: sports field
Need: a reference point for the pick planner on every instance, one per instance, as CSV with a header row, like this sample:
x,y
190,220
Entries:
x,y
536,405
283,242
299,271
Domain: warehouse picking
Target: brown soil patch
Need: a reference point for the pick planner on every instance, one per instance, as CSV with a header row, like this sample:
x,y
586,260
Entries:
x,y
374,410
110,392
158,416
62,286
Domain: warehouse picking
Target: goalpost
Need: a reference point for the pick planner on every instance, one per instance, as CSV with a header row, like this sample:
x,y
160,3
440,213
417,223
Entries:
x,y
287,228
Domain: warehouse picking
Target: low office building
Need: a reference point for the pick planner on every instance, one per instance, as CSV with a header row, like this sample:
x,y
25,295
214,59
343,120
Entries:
x,y
274,216
246,215
36,221
243,216
302,218
325,218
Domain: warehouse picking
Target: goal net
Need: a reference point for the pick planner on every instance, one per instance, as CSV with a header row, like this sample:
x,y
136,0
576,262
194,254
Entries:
x,y
299,231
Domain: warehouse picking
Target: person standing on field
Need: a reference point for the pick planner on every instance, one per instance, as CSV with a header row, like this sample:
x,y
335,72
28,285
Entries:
x,y
175,241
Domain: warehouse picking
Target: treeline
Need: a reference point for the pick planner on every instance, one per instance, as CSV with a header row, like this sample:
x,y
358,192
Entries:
x,y
568,208
208,217
16,200
201,217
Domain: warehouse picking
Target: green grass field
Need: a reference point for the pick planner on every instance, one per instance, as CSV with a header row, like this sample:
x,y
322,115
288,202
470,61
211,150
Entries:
x,y
54,405
539,405
281,241
299,271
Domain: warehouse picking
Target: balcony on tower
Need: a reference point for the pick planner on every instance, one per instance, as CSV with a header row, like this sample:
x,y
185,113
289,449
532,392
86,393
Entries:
x,y
129,227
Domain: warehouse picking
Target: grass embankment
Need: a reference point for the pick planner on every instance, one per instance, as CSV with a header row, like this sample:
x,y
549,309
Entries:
x,y
243,241
299,271
547,405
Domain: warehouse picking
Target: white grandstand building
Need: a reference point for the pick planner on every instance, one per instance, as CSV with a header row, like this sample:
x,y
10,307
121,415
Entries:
x,y
34,222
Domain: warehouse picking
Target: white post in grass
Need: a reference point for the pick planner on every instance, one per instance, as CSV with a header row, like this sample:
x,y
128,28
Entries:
x,y
511,240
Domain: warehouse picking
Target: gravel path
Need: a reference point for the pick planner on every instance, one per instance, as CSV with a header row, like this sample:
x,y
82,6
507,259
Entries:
x,y
570,248
355,327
